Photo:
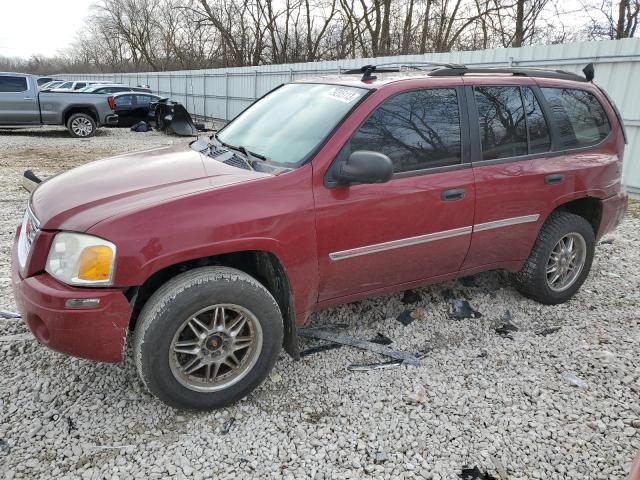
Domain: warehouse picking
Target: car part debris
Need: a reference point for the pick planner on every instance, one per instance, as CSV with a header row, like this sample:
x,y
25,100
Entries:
x,y
380,339
8,314
418,395
30,181
227,426
320,348
141,126
547,331
460,309
507,327
366,367
405,318
330,336
575,381
172,118
475,473
606,241
410,296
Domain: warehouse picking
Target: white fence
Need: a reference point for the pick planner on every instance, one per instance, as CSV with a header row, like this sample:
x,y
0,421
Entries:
x,y
223,93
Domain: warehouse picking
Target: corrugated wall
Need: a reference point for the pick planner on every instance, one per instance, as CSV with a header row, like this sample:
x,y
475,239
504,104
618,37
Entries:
x,y
223,93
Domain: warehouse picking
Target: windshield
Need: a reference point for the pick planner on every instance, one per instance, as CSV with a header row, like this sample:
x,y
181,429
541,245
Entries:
x,y
288,124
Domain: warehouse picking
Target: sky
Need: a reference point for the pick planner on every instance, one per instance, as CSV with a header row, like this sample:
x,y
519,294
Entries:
x,y
39,26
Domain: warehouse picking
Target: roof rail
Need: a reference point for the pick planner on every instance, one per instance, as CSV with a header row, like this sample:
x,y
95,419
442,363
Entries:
x,y
519,72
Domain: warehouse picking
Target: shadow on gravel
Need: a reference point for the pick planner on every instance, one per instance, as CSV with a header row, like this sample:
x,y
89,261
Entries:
x,y
42,133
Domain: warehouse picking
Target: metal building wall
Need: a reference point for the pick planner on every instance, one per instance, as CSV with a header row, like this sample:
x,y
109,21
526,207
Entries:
x,y
223,93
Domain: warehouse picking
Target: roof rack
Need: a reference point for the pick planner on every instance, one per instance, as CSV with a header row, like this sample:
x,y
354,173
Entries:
x,y
453,69
367,70
518,72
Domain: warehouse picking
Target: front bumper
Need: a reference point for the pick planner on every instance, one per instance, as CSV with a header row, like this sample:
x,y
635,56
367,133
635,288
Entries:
x,y
97,333
613,210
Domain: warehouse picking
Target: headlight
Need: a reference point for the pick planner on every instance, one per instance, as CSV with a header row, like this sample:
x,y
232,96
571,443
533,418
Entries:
x,y
79,259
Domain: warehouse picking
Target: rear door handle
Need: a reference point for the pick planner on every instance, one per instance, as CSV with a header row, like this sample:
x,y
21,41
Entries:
x,y
452,195
554,178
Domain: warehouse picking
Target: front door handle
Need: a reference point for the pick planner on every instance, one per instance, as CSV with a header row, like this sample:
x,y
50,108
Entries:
x,y
452,195
554,178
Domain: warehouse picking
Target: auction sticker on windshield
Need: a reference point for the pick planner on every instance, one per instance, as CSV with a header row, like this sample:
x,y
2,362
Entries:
x,y
343,94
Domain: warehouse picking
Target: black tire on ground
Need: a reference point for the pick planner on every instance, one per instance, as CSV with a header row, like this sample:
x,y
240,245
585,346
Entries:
x,y
531,280
178,300
81,125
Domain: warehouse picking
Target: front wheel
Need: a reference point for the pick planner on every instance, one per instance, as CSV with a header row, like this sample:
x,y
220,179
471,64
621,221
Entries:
x,y
560,260
207,338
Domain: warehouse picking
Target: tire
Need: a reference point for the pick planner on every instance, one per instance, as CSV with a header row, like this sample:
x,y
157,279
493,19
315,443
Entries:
x,y
533,280
81,125
166,323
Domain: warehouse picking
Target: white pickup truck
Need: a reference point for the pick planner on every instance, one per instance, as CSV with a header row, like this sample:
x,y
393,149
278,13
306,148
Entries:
x,y
23,105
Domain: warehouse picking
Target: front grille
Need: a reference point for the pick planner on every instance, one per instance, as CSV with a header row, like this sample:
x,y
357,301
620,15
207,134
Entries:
x,y
28,232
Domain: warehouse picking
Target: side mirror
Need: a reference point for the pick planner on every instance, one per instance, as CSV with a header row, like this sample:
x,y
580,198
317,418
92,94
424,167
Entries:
x,y
364,166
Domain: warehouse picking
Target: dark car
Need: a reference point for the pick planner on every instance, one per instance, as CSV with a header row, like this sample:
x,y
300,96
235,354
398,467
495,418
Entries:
x,y
132,107
208,257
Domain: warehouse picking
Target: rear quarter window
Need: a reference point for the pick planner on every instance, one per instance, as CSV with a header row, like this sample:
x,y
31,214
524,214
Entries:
x,y
13,84
578,115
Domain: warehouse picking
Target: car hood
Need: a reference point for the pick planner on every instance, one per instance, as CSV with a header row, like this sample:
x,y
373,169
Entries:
x,y
79,198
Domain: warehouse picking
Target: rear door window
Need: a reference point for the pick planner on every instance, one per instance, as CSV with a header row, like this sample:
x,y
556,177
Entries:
x,y
539,138
124,100
417,130
13,84
503,128
578,115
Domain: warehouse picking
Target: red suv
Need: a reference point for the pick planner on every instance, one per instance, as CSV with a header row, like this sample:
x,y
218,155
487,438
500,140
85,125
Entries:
x,y
322,192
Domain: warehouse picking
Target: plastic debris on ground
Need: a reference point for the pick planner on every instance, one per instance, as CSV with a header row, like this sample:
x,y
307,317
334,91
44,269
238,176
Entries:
x,y
330,336
547,331
410,296
8,314
418,394
460,309
227,426
381,456
575,381
141,127
405,318
475,473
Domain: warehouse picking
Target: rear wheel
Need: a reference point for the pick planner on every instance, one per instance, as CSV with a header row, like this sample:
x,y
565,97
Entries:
x,y
81,125
207,338
559,261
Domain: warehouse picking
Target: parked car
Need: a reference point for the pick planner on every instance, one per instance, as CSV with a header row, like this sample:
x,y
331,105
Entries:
x,y
72,86
113,88
50,85
43,80
208,257
23,105
132,107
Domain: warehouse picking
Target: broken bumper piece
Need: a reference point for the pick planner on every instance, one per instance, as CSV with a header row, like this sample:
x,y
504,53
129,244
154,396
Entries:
x,y
82,322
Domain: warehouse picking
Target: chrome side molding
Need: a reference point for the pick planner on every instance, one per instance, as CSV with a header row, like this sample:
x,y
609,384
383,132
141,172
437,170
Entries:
x,y
507,222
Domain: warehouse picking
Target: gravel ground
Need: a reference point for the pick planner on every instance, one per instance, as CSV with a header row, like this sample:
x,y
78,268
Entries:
x,y
502,403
